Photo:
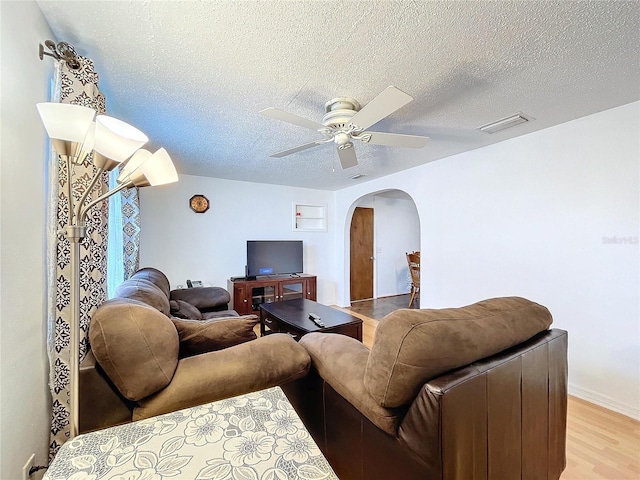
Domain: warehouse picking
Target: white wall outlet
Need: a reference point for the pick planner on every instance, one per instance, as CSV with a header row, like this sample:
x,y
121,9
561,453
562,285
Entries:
x,y
27,467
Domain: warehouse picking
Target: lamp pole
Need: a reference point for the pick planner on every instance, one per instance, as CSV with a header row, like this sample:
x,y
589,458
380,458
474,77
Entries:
x,y
76,232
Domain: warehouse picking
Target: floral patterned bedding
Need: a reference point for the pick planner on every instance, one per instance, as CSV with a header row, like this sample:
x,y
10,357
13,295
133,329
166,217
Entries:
x,y
257,436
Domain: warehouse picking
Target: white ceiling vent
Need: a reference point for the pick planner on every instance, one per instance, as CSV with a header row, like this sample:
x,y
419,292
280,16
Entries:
x,y
506,122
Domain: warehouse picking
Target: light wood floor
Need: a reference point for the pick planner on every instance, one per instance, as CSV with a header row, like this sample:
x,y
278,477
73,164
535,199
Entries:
x,y
601,444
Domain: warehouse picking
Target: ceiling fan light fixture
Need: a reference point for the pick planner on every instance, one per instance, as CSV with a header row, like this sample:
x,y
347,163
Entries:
x,y
506,122
342,139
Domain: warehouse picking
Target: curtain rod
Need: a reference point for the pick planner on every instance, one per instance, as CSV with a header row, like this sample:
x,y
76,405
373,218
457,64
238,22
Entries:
x,y
63,51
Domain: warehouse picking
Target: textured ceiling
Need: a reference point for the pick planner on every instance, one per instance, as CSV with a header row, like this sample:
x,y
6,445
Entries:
x,y
194,75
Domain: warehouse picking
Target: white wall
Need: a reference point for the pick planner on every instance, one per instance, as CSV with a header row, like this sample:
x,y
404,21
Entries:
x,y
24,394
533,216
212,246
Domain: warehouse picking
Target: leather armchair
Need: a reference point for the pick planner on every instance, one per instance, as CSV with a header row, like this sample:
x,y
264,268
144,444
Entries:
x,y
477,392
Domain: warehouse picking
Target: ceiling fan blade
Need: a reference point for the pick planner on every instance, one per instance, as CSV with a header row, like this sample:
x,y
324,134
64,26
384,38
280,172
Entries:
x,y
387,102
299,148
395,139
347,156
291,118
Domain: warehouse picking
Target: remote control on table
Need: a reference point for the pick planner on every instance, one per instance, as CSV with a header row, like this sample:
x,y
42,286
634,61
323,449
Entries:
x,y
316,319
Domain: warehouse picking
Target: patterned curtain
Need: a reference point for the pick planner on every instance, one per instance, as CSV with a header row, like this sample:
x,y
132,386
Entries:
x,y
131,231
124,215
79,87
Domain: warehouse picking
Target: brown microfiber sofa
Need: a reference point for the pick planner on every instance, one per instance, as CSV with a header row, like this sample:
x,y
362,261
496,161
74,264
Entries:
x,y
145,361
478,392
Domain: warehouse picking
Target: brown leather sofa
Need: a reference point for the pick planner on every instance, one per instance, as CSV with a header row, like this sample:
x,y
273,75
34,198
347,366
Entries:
x,y
478,393
145,361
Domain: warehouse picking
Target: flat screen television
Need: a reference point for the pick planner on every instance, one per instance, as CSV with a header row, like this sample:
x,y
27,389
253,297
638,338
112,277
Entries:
x,y
273,257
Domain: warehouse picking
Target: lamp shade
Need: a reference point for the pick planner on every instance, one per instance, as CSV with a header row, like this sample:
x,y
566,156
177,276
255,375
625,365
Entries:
x,y
160,170
115,139
131,171
64,121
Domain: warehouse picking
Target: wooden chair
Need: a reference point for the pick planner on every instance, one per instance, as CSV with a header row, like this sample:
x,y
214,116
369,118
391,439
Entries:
x,y
413,259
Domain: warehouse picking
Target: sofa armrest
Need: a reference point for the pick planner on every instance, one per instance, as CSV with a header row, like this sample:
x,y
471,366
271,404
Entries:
x,y
101,404
503,413
263,363
341,362
203,298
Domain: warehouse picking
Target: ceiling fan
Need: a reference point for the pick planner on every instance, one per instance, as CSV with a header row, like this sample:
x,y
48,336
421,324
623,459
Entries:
x,y
345,120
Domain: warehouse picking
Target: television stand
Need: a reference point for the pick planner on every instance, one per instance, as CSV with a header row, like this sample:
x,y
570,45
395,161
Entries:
x,y
279,276
248,295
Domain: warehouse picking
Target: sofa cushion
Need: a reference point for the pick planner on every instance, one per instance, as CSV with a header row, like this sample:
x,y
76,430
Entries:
x,y
183,309
202,336
220,314
144,291
341,362
414,346
136,346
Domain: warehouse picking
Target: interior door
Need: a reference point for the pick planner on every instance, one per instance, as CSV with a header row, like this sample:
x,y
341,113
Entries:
x,y
361,235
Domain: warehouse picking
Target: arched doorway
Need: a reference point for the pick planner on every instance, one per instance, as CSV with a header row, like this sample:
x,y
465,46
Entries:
x,y
395,231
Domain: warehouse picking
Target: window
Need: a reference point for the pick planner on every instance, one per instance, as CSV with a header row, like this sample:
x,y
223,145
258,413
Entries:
x,y
115,247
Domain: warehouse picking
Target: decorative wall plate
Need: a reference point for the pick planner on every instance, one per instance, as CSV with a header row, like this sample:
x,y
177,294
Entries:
x,y
199,203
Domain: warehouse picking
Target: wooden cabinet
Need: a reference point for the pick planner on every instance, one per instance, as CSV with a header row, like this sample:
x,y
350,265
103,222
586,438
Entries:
x,y
248,295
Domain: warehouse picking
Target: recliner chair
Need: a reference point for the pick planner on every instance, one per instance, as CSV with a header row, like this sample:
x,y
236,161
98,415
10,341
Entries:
x,y
144,362
478,392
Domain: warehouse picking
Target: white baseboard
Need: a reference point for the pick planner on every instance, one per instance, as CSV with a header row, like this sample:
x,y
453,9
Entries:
x,y
604,401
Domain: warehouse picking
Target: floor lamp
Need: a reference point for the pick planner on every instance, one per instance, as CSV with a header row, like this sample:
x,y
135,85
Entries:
x,y
75,133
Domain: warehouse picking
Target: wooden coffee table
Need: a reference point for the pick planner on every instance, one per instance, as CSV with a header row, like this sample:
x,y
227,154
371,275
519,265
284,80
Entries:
x,y
292,317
